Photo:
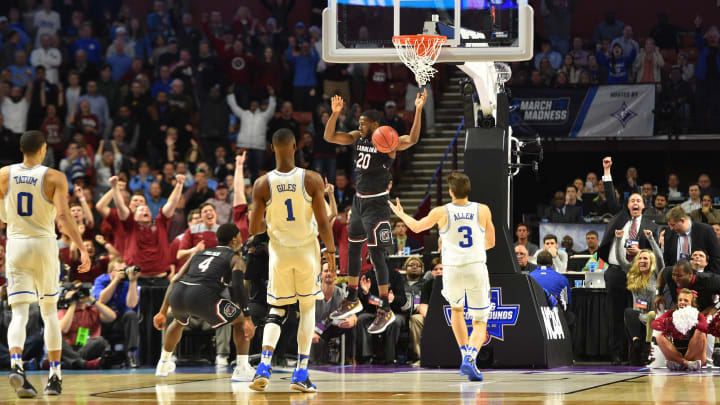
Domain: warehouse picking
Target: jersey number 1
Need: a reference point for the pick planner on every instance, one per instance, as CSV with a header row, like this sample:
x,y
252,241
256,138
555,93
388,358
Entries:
x,y
467,234
288,204
24,204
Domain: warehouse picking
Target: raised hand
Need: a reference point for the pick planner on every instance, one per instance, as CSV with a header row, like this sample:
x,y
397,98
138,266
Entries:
x,y
420,100
336,104
329,188
648,233
113,181
397,209
78,191
619,233
240,158
365,284
84,266
100,239
180,179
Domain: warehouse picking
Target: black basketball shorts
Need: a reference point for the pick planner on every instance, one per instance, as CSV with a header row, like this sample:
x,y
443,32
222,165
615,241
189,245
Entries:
x,y
188,300
370,221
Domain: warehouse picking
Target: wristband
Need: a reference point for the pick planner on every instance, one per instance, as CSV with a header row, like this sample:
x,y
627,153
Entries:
x,y
657,292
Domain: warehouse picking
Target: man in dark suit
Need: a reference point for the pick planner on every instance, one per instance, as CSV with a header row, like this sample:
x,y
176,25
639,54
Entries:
x,y
344,191
401,240
561,212
634,224
688,236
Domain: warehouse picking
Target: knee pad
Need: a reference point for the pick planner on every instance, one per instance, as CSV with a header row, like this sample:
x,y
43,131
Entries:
x,y
480,315
377,254
277,315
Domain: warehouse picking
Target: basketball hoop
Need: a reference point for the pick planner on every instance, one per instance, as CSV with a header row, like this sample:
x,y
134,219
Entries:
x,y
419,53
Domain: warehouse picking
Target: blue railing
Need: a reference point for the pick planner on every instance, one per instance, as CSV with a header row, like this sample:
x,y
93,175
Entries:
x,y
438,171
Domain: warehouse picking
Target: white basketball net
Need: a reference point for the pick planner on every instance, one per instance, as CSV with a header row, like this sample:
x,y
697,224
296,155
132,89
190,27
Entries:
x,y
419,53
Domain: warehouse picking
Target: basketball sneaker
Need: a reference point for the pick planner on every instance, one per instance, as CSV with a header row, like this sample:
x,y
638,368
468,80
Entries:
x,y
164,368
54,386
243,373
301,381
262,378
21,384
383,318
675,366
694,365
469,369
346,309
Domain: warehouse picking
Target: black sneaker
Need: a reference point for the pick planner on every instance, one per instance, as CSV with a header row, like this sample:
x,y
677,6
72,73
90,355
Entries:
x,y
20,383
383,318
346,309
54,386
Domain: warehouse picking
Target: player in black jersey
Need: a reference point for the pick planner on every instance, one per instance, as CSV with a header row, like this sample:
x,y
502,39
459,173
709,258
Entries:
x,y
370,220
196,291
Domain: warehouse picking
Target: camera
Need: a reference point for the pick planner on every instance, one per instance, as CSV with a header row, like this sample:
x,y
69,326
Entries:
x,y
82,291
131,270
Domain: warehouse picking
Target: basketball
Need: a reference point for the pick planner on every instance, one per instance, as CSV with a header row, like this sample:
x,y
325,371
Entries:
x,y
385,139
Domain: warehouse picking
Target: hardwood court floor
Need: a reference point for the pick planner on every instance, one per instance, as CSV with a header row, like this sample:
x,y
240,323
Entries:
x,y
378,385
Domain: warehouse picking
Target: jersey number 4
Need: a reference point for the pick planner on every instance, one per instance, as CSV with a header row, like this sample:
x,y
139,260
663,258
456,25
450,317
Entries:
x,y
363,160
24,204
467,235
203,266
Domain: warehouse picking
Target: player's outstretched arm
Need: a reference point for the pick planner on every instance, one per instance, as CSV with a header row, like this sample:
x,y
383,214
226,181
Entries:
x,y
485,218
160,318
260,196
340,138
420,225
316,188
59,183
406,141
239,197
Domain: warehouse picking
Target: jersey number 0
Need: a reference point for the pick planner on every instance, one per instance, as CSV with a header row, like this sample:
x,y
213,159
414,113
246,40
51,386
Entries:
x,y
24,204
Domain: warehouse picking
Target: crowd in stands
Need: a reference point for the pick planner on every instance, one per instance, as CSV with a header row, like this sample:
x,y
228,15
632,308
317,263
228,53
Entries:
x,y
145,116
681,60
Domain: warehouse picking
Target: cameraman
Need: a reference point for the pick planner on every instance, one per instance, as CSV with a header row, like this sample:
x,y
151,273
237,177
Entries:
x,y
80,323
119,290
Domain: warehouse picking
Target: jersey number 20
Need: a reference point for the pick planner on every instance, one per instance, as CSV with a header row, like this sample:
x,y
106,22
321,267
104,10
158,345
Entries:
x,y
467,234
24,204
363,160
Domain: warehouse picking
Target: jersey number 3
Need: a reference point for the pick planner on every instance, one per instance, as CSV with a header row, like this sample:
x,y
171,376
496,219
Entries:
x,y
467,234
24,204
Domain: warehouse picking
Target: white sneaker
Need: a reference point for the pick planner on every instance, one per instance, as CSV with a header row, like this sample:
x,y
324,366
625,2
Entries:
x,y
694,365
243,373
221,361
164,368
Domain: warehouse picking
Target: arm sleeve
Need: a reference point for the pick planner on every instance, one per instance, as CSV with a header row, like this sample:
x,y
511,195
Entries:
x,y
612,200
239,294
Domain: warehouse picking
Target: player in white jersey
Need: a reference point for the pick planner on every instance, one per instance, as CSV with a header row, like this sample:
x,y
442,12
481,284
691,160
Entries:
x,y
288,197
32,196
467,232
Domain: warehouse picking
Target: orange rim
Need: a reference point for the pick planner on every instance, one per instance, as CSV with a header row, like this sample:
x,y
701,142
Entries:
x,y
424,45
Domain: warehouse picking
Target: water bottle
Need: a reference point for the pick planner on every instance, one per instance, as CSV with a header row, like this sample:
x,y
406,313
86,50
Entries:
x,y
592,265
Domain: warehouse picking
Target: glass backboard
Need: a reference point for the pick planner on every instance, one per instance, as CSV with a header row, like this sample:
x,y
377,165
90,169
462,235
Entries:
x,y
477,30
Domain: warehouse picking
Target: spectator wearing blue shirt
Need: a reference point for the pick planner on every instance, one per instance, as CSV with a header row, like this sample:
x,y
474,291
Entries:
x,y
142,180
159,22
556,286
22,73
155,200
98,105
707,76
305,80
618,65
118,290
88,44
554,57
163,83
120,62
